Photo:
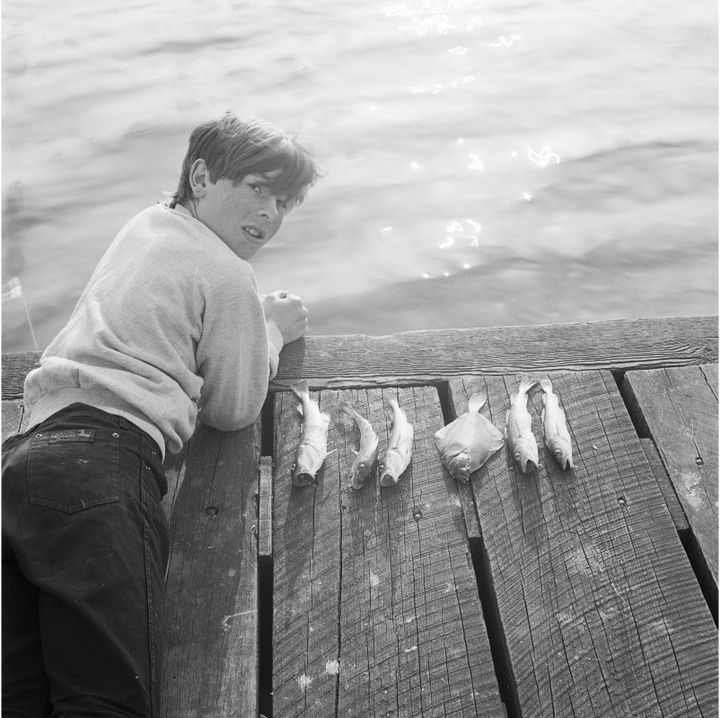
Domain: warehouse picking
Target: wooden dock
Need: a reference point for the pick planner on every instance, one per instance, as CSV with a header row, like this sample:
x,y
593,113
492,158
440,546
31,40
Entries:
x,y
590,592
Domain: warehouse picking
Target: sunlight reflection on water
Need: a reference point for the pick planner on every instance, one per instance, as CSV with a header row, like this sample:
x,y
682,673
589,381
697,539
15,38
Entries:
x,y
484,163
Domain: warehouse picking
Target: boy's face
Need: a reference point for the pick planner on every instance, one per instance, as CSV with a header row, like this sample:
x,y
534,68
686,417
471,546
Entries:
x,y
245,216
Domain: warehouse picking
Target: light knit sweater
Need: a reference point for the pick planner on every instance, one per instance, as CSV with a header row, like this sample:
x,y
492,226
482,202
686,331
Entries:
x,y
169,329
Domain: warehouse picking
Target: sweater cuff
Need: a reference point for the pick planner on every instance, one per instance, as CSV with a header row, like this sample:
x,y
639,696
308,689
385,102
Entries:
x,y
275,345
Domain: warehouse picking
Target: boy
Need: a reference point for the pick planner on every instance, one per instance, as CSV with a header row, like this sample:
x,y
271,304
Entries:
x,y
169,329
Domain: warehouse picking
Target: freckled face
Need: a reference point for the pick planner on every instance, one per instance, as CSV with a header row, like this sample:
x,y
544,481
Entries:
x,y
245,216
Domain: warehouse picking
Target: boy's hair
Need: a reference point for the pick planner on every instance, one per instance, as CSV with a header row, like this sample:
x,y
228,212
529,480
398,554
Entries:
x,y
234,147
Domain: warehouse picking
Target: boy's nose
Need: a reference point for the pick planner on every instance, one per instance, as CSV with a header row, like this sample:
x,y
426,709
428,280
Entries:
x,y
269,210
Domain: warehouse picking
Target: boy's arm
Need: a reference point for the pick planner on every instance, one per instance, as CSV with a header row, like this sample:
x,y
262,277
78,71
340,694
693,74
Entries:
x,y
275,345
234,356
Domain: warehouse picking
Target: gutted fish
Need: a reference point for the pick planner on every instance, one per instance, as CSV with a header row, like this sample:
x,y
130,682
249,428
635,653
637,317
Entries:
x,y
367,452
399,451
557,437
518,429
468,442
313,440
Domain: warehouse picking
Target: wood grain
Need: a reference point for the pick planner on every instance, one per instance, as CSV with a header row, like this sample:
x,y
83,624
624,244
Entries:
x,y
601,612
376,605
265,543
211,659
423,356
12,415
306,537
665,485
679,407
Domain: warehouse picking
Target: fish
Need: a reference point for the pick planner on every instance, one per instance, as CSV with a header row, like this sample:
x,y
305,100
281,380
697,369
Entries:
x,y
466,443
367,452
399,451
555,431
312,450
518,428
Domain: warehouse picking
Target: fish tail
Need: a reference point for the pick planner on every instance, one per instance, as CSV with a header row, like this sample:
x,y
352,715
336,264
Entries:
x,y
526,383
476,402
301,389
391,405
546,385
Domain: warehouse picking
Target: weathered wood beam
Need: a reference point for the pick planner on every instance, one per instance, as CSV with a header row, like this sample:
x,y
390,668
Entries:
x,y
679,409
211,626
422,356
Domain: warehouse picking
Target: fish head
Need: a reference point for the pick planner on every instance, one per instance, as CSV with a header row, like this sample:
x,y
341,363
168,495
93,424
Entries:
x,y
562,452
390,470
459,467
359,473
526,454
303,473
388,477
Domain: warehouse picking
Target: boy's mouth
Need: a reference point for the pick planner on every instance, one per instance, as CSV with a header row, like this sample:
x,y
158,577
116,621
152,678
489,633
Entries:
x,y
254,232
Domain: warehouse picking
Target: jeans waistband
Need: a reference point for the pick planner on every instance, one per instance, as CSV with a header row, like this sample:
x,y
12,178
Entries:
x,y
79,410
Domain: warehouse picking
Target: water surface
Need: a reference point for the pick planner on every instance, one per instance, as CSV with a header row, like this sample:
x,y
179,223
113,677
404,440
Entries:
x,y
485,163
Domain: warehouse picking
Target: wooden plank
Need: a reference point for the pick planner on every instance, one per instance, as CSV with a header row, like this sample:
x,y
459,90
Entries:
x,y
265,544
665,486
710,372
306,575
600,609
376,604
211,661
12,415
422,356
15,366
679,407
175,466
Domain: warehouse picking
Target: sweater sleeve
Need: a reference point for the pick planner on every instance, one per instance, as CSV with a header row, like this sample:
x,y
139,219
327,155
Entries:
x,y
233,355
275,345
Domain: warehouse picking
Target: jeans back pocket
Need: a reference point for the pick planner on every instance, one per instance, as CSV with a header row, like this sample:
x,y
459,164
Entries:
x,y
73,469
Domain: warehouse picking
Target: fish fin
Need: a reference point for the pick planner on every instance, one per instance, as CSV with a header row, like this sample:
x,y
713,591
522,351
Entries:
x,y
546,385
301,388
476,402
300,410
526,383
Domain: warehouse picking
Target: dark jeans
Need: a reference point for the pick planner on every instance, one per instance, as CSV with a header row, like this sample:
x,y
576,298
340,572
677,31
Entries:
x,y
84,550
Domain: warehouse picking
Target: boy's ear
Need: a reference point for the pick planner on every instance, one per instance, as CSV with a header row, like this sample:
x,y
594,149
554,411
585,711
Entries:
x,y
199,178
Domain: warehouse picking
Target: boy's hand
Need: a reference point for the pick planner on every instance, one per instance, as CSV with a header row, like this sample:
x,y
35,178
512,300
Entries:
x,y
287,312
